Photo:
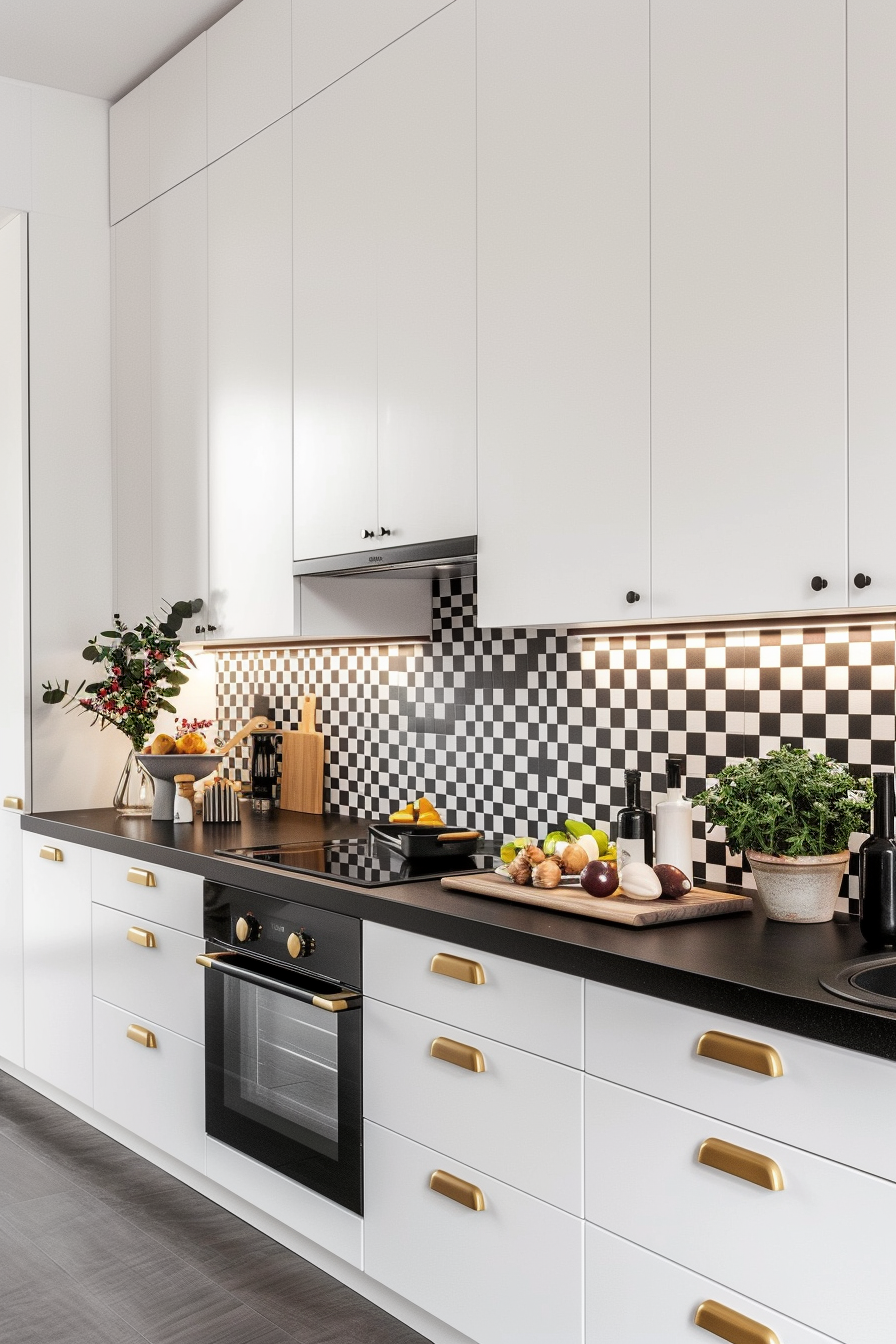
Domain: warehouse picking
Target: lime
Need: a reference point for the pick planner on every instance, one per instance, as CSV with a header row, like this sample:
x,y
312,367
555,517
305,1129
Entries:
x,y
551,841
603,840
508,853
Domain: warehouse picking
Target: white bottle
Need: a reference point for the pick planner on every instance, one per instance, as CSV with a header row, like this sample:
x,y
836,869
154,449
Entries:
x,y
183,801
674,821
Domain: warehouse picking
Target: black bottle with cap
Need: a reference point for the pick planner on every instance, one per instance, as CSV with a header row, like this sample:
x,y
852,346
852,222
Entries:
x,y
877,870
634,825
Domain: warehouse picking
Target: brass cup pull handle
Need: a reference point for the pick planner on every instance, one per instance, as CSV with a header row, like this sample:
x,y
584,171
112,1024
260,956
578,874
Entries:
x,y
143,1036
455,1052
50,852
741,1162
142,937
13,803
141,877
462,1192
731,1325
741,1052
457,968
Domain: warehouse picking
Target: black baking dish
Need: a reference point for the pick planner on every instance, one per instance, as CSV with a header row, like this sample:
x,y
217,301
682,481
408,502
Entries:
x,y
425,842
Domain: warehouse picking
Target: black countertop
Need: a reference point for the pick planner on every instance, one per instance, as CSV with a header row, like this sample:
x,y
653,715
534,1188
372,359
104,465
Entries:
x,y
741,965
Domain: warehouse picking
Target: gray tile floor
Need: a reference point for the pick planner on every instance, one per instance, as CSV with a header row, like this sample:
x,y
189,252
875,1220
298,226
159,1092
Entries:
x,y
98,1246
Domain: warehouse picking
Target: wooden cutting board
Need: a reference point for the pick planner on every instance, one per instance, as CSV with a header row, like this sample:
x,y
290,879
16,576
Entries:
x,y
697,904
302,774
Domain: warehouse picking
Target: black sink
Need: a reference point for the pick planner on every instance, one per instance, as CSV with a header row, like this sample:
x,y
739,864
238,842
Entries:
x,y
871,980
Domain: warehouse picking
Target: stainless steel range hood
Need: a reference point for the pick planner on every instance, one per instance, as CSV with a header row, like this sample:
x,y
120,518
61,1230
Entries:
x,y
457,555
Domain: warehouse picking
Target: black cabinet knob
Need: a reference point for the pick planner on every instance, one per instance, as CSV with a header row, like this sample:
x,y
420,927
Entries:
x,y
212,629
366,533
385,531
862,580
632,596
818,583
200,629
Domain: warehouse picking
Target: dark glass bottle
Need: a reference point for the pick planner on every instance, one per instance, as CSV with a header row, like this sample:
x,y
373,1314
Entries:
x,y
634,826
877,871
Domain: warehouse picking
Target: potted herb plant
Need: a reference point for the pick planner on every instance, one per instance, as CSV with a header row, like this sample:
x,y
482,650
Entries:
x,y
792,814
143,673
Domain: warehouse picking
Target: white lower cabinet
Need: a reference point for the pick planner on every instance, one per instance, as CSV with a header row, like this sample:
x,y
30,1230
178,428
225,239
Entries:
x,y
835,1102
527,1006
148,891
58,993
635,1297
499,1109
644,1182
11,990
150,969
510,1273
152,1082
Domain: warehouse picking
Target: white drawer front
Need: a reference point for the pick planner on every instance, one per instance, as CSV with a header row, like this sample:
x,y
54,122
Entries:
x,y
175,898
794,1248
328,1224
832,1101
510,1274
153,973
527,1006
635,1297
520,1119
158,1094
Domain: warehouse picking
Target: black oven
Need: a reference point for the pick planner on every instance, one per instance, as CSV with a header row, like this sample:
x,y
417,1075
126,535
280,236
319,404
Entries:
x,y
283,1037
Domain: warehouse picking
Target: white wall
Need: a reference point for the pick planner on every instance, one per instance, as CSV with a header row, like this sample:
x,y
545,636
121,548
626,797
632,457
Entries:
x,y
54,164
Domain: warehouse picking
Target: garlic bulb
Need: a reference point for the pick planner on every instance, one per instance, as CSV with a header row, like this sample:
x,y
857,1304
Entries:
x,y
640,882
521,870
547,874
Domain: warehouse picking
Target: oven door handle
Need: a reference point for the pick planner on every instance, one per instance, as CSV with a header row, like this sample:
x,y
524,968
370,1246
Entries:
x,y
331,1003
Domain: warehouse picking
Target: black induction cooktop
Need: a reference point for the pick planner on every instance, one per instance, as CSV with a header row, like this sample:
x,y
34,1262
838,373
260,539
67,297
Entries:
x,y
364,863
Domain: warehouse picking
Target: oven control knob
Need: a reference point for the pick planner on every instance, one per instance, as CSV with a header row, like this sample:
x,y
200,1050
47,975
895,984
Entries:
x,y
247,928
299,945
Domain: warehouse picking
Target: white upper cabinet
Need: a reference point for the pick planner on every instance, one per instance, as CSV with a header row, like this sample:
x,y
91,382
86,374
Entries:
x,y
331,37
249,72
129,153
426,285
132,415
564,311
748,233
871,122
179,361
385,303
250,387
177,118
334,342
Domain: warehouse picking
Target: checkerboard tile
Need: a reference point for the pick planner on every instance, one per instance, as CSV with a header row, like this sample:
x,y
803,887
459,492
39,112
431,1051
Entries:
x,y
514,730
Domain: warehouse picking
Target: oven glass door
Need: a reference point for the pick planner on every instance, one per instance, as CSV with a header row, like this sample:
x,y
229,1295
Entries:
x,y
283,1075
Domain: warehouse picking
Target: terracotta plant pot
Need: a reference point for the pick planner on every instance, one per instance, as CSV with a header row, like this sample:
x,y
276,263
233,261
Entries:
x,y
798,891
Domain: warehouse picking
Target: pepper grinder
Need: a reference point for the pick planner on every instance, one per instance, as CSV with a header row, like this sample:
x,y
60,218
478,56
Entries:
x,y
263,769
877,870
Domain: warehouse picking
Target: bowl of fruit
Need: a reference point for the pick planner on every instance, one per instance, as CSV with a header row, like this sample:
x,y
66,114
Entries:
x,y
166,757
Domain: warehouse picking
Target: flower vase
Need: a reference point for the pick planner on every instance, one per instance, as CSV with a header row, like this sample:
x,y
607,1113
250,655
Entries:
x,y
135,789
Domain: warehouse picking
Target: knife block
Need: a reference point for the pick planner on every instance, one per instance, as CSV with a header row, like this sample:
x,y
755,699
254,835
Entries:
x,y
302,772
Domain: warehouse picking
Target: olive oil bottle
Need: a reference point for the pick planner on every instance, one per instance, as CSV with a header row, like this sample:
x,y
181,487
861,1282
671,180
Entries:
x,y
877,871
634,826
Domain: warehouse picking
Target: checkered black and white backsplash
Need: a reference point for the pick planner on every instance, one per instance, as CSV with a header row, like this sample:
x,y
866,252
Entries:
x,y
512,731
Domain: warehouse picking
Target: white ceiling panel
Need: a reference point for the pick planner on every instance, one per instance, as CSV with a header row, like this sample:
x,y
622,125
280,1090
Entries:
x,y
98,47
